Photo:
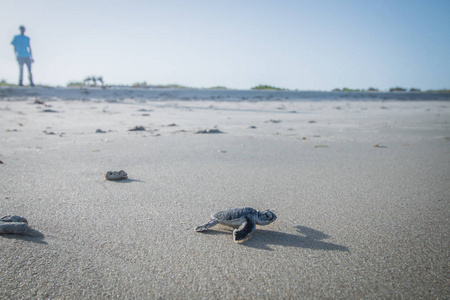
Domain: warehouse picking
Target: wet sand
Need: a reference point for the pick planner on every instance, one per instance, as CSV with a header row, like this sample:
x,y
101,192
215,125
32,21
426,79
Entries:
x,y
361,190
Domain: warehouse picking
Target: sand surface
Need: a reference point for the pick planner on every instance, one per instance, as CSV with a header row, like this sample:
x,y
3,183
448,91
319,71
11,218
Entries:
x,y
361,190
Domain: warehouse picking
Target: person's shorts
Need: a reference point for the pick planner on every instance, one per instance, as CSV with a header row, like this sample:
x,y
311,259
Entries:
x,y
24,60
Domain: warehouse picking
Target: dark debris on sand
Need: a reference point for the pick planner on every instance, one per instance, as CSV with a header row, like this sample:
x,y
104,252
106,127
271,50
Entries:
x,y
209,130
137,128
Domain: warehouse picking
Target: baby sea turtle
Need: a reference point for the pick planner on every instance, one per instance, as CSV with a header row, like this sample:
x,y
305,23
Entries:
x,y
245,219
13,224
114,175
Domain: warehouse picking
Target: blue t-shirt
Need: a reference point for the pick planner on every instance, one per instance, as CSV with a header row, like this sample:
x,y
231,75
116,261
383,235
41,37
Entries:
x,y
22,43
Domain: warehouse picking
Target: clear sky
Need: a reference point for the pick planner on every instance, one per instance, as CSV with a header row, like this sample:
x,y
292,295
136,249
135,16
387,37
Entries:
x,y
298,44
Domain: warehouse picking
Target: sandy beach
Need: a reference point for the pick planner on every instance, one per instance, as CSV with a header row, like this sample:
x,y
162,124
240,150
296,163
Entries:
x,y
360,185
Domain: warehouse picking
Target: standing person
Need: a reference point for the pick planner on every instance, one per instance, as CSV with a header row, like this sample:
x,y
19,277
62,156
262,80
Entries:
x,y
22,49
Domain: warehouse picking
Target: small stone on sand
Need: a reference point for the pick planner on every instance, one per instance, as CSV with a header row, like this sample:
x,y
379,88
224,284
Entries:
x,y
114,175
137,128
209,130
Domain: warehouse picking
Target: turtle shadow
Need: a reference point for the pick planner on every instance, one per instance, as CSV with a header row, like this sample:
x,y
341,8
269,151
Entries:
x,y
126,180
220,230
307,238
31,235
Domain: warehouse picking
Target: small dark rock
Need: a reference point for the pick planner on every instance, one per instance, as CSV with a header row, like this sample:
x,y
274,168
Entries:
x,y
137,128
209,130
273,121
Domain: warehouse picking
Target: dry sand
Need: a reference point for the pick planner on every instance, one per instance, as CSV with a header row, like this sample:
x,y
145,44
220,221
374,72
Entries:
x,y
361,190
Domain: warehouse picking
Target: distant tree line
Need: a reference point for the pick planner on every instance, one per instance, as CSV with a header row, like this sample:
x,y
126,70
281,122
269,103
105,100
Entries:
x,y
266,87
394,89
93,81
88,81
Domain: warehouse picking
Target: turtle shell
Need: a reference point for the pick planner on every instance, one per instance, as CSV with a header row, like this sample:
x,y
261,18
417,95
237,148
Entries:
x,y
234,214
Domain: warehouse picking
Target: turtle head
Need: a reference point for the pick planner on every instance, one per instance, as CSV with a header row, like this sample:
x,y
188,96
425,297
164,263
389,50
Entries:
x,y
265,217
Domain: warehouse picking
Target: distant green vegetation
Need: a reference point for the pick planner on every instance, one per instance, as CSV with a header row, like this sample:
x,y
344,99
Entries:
x,y
347,90
75,84
144,84
218,88
88,81
397,89
439,91
5,84
95,81
267,88
140,84
351,90
173,86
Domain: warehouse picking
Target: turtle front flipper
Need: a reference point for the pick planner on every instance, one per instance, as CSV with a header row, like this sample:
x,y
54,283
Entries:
x,y
244,232
206,226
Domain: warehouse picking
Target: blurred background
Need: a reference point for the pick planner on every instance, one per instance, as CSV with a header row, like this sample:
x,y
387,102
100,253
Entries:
x,y
300,44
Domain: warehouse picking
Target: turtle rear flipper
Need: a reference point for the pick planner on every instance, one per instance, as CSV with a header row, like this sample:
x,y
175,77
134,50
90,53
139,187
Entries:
x,y
244,232
206,226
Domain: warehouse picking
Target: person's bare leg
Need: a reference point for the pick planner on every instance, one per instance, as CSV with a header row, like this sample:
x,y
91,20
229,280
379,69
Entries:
x,y
20,72
30,76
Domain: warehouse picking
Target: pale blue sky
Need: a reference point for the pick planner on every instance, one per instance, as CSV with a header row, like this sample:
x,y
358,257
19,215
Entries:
x,y
305,45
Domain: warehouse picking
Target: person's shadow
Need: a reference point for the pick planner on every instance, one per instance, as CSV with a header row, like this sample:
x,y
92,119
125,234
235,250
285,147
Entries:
x,y
31,235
